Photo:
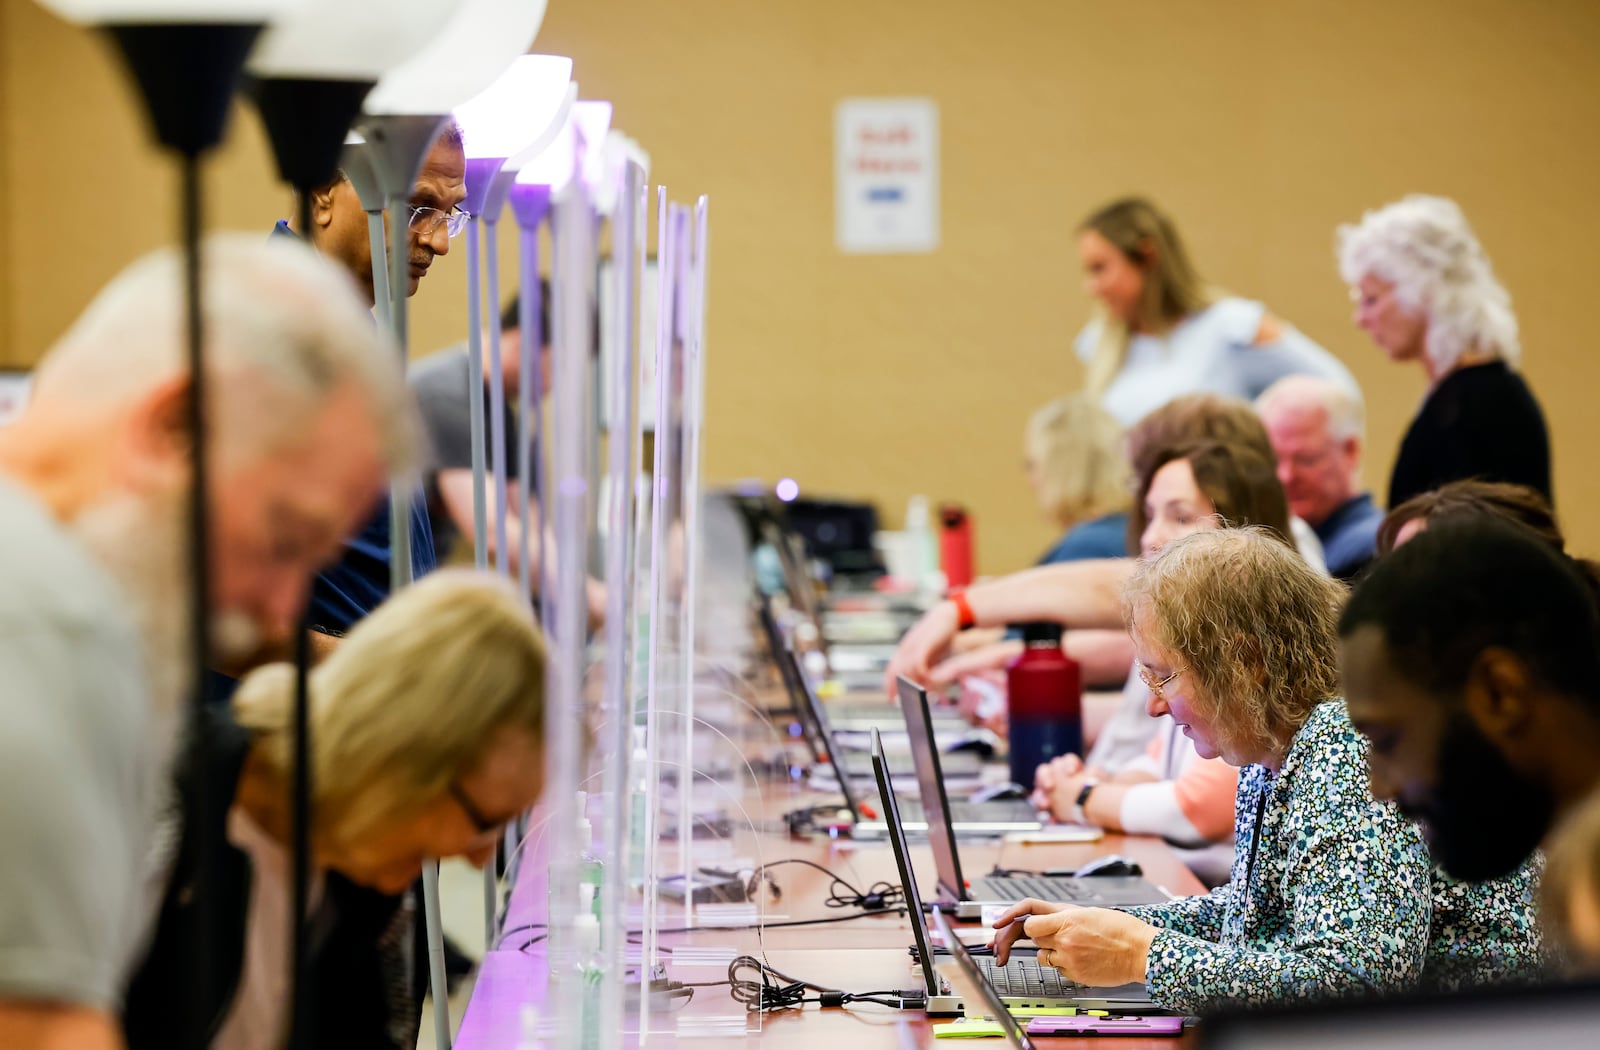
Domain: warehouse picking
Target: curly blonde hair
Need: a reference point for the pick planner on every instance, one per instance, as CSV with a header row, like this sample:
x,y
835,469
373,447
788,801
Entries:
x,y
408,702
1255,627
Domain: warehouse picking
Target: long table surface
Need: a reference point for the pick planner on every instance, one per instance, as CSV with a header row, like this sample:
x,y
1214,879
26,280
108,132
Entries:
x,y
859,954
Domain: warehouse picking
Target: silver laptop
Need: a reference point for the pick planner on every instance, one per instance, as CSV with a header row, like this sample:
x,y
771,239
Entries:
x,y
964,817
1020,984
969,900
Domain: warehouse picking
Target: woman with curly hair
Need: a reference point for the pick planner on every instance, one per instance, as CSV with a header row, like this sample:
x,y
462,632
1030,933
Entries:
x,y
1425,292
1332,893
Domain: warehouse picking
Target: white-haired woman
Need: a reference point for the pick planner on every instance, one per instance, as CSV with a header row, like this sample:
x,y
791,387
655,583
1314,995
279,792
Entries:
x,y
1425,292
1332,893
427,729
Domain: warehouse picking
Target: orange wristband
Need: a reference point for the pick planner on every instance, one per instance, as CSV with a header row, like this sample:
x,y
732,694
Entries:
x,y
965,618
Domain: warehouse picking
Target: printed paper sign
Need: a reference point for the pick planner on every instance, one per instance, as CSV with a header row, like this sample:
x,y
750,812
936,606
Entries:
x,y
886,175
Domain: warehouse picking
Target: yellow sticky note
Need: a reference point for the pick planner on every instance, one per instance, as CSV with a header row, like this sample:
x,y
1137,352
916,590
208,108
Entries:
x,y
969,1028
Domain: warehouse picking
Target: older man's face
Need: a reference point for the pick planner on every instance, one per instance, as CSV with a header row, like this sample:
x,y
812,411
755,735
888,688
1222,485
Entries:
x,y
1316,470
280,517
342,224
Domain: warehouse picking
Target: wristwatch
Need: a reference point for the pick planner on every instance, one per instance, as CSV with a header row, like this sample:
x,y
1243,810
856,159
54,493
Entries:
x,y
1083,797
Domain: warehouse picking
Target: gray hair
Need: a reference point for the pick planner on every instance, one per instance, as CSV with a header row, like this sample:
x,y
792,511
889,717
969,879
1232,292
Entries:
x,y
283,328
1347,415
1425,248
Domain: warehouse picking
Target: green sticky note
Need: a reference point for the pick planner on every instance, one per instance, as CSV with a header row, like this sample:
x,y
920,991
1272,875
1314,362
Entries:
x,y
1044,1011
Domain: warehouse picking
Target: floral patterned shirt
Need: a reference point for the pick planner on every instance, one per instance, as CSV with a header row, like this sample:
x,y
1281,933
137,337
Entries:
x,y
1334,895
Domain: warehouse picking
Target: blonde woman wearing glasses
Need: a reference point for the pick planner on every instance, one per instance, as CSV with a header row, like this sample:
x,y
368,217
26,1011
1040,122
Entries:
x,y
1331,893
427,737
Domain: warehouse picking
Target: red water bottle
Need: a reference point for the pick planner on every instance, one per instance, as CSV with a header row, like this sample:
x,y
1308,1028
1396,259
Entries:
x,y
955,544
1044,688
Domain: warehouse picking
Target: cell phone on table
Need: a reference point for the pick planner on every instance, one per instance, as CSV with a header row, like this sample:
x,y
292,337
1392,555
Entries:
x,y
1116,1024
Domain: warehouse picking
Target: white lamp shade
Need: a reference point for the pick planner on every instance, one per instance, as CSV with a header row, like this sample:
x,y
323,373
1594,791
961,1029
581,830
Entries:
x,y
554,167
169,12
464,57
506,117
348,39
558,123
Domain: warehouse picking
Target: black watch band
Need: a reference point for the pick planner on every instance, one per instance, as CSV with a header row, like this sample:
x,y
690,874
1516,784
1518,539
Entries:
x,y
1085,791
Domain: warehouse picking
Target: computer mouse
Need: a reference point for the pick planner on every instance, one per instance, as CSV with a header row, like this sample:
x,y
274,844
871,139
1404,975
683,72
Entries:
x,y
981,741
1115,864
999,792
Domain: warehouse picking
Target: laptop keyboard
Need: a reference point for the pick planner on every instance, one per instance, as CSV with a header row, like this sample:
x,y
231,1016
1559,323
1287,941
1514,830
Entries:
x,y
1024,977
1017,887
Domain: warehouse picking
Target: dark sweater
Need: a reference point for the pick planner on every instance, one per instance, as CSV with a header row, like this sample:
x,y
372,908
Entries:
x,y
1480,422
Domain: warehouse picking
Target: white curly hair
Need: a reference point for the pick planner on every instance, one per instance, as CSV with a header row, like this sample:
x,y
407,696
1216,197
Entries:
x,y
1424,246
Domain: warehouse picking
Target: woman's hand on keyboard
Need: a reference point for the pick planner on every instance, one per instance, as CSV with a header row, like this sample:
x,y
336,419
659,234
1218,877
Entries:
x,y
1092,946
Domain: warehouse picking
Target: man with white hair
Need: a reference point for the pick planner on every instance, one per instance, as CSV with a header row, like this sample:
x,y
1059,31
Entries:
x,y
1316,427
308,414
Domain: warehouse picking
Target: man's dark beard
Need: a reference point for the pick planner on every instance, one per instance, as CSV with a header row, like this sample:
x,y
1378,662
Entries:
x,y
1486,818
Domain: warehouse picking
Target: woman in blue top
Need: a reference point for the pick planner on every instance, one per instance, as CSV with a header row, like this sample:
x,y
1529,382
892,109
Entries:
x,y
1161,332
1079,472
1332,893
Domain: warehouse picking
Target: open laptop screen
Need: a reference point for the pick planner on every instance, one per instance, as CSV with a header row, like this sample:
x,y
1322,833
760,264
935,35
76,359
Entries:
x,y
930,782
994,1006
902,859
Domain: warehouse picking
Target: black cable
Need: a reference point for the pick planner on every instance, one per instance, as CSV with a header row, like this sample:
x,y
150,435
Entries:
x,y
764,994
877,897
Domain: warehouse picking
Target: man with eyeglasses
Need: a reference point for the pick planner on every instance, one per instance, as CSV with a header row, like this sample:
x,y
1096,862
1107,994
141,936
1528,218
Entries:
x,y
434,215
345,592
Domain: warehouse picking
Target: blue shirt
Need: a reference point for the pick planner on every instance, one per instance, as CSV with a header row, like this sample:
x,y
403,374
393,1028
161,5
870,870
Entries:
x,y
345,592
1105,537
1350,536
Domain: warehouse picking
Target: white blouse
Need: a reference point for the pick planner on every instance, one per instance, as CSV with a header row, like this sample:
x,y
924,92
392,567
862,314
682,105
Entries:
x,y
1211,351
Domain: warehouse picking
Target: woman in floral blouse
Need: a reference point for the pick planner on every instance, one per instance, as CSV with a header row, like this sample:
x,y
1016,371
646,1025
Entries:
x,y
1331,893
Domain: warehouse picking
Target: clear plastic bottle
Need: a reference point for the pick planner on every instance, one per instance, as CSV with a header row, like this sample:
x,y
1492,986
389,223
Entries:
x,y
591,869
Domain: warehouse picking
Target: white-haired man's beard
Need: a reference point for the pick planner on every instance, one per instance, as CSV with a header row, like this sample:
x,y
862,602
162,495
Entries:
x,y
143,544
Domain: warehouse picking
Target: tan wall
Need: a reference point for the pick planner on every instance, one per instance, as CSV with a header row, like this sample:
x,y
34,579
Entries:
x,y
1260,125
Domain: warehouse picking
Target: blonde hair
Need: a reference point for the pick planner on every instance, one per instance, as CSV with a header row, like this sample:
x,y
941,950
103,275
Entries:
x,y
1425,248
408,701
1172,288
1572,865
1251,623
1076,448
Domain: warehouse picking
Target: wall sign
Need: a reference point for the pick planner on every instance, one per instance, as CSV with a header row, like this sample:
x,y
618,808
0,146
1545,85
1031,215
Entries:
x,y
886,175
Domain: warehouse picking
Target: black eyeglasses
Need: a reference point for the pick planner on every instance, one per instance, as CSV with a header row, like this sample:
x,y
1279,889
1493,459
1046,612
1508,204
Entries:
x,y
474,814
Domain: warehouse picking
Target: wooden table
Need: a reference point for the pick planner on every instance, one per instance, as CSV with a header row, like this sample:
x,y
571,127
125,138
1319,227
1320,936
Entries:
x,y
860,954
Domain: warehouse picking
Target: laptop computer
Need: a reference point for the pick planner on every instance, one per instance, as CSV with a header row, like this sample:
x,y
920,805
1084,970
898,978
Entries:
x,y
1020,984
992,1005
967,818
817,721
1100,891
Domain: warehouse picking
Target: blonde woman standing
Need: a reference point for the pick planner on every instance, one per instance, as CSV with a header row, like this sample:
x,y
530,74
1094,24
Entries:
x,y
1161,332
1425,292
427,734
